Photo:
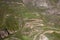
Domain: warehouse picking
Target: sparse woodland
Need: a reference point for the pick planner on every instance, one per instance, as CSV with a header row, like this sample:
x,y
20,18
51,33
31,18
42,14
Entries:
x,y
29,19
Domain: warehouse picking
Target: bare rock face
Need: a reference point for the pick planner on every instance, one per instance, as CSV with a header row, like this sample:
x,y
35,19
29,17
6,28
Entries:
x,y
51,6
37,3
3,34
41,3
43,37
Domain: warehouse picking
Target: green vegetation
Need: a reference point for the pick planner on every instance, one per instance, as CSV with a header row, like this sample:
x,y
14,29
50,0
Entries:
x,y
13,17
